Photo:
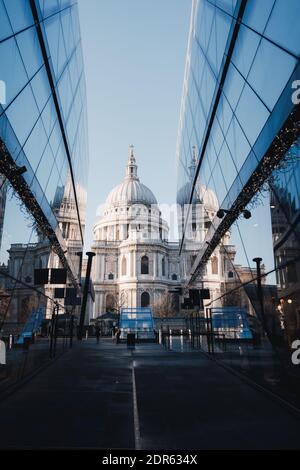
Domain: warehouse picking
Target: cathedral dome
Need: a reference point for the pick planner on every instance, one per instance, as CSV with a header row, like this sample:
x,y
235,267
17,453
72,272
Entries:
x,y
209,199
202,195
131,190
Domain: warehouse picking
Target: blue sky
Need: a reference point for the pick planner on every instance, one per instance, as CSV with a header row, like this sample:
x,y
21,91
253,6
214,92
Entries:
x,y
134,53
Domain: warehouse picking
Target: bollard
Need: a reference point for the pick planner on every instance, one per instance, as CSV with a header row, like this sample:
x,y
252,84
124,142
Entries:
x,y
131,340
2,353
10,341
159,336
86,334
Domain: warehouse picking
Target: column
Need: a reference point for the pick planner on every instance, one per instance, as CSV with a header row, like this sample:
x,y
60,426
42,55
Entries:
x,y
128,258
133,262
102,267
154,264
101,306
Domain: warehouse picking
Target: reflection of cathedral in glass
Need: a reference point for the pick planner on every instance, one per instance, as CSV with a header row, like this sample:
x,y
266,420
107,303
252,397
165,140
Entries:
x,y
3,191
44,154
285,217
24,258
195,219
243,131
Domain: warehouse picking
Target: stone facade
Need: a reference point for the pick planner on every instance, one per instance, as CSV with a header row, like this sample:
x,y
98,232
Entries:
x,y
135,264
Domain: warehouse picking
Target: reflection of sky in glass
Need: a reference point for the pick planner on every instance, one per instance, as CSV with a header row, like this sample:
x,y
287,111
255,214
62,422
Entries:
x,y
253,237
17,227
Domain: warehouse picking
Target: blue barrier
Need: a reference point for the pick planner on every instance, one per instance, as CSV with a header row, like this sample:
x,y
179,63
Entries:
x,y
232,322
33,323
137,320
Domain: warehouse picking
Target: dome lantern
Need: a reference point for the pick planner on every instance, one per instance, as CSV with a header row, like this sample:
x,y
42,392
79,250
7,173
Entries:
x,y
131,169
131,190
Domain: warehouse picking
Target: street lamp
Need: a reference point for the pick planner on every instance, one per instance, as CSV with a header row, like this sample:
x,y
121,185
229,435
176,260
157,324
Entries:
x,y
90,255
258,261
79,253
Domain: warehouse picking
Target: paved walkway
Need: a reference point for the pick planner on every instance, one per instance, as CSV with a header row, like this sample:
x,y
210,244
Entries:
x,y
105,396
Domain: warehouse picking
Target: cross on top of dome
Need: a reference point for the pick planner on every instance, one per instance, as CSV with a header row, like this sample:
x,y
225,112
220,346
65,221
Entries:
x,y
131,169
131,190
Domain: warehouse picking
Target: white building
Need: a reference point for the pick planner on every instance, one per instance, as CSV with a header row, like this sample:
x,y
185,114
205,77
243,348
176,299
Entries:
x,y
135,264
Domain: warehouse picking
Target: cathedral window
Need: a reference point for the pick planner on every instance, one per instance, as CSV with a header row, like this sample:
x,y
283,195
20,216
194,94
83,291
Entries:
x,y
214,265
145,265
124,266
110,302
230,274
163,267
193,259
110,276
174,277
145,299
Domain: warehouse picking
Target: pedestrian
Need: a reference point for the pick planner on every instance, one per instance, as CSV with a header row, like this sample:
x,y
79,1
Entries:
x,y
118,333
113,332
97,332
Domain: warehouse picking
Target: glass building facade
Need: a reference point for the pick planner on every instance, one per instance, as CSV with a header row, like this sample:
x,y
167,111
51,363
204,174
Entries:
x,y
238,145
43,154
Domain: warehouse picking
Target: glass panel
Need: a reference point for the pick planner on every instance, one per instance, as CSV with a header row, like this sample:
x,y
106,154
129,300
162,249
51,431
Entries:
x,y
19,13
5,29
247,41
12,70
238,144
252,123
35,145
15,113
282,27
257,14
270,72
227,5
56,44
30,50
